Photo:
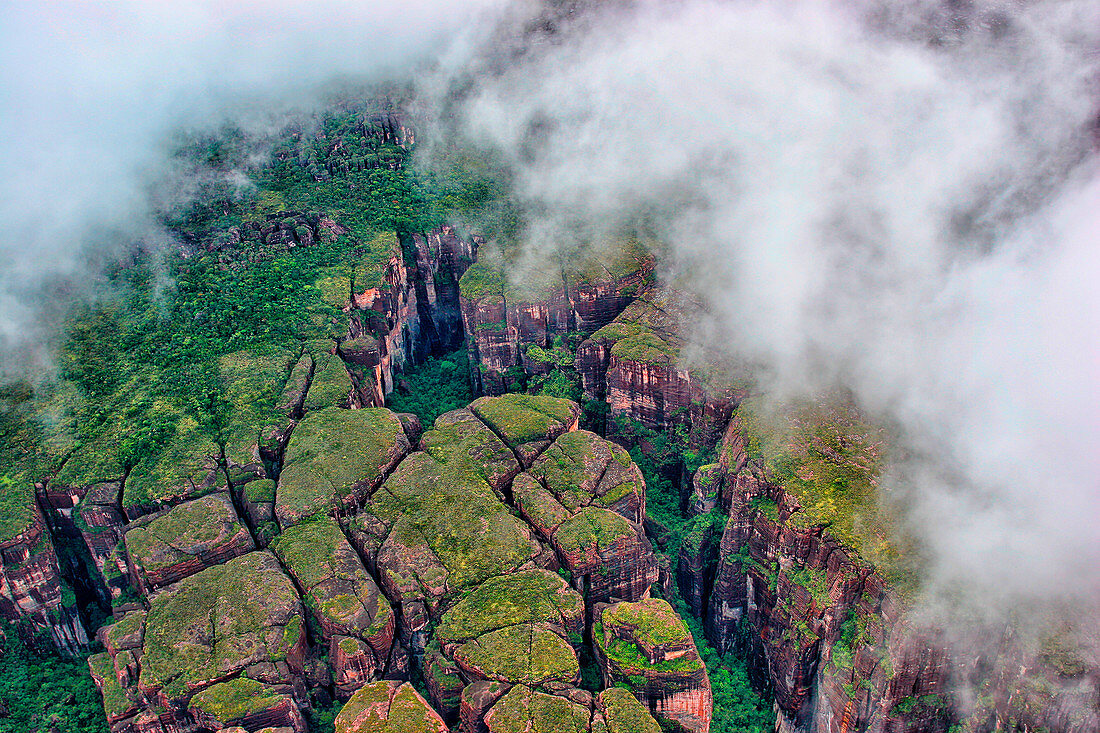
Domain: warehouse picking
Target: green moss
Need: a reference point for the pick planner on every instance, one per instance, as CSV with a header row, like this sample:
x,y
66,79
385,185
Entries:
x,y
537,504
828,458
452,510
652,622
482,280
379,708
260,491
625,714
767,507
115,699
180,469
521,654
815,581
592,527
331,384
524,710
16,504
172,537
464,442
330,453
231,701
215,621
522,418
645,347
252,384
308,548
531,595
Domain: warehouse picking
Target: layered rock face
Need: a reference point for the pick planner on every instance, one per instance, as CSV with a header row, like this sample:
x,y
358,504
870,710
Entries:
x,y
407,312
30,582
511,325
823,625
634,365
646,646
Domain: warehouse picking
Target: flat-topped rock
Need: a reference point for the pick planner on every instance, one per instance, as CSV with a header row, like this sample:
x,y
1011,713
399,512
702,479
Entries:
x,y
524,710
647,647
388,707
520,628
187,538
527,422
213,624
246,703
335,458
610,550
582,469
434,529
623,713
257,385
355,619
459,437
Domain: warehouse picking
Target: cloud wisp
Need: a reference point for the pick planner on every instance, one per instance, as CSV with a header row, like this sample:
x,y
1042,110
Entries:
x,y
886,197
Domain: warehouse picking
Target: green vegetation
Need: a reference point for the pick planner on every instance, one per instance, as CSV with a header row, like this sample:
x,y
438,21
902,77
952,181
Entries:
x,y
451,509
625,714
332,452
531,595
41,691
738,707
256,605
828,458
524,709
521,654
439,385
592,528
235,699
521,418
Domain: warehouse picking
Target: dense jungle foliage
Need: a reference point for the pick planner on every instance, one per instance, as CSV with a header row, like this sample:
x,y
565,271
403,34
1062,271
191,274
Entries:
x,y
45,692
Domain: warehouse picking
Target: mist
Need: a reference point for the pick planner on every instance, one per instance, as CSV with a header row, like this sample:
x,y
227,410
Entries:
x,y
90,94
885,197
894,199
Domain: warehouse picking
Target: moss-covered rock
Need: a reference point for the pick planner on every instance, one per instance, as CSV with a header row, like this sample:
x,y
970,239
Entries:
x,y
238,701
186,539
219,621
624,714
523,418
528,654
355,619
533,596
335,458
580,469
459,438
118,702
186,468
253,383
647,647
330,385
388,707
524,710
448,530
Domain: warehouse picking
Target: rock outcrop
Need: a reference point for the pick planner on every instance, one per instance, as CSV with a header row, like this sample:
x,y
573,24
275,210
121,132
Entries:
x,y
510,325
355,619
185,539
828,632
634,364
388,707
647,647
224,646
